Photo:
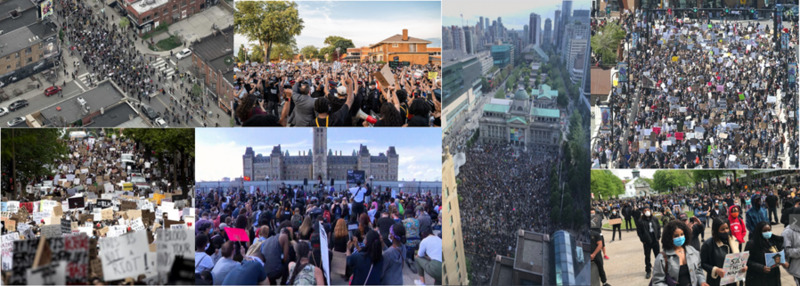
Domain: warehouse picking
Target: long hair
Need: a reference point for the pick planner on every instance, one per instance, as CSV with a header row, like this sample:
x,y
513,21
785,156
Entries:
x,y
669,230
341,229
755,236
373,247
363,224
245,106
715,226
302,249
305,228
390,116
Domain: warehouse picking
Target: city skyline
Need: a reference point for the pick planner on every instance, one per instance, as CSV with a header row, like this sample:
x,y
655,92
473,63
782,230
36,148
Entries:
x,y
514,16
219,151
366,22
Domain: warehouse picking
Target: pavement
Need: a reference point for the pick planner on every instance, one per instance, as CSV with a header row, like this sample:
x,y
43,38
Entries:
x,y
626,264
408,278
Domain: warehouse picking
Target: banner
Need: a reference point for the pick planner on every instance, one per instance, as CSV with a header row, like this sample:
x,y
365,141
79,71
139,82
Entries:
x,y
46,8
354,176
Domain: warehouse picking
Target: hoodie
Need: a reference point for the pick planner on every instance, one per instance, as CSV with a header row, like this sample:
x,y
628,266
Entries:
x,y
791,244
756,214
738,229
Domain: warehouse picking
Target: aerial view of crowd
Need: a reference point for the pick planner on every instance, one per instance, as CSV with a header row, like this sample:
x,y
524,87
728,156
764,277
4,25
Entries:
x,y
702,93
313,235
322,94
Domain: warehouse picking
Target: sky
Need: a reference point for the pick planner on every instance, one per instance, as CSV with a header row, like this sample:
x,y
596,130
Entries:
x,y
364,22
626,173
515,13
219,150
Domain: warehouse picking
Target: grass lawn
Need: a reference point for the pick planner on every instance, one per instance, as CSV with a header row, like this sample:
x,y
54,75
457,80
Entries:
x,y
658,217
169,43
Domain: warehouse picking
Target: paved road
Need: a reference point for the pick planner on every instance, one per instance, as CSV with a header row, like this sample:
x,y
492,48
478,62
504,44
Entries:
x,y
626,264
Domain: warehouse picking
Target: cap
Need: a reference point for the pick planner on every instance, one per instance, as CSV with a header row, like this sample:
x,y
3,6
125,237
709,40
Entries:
x,y
683,217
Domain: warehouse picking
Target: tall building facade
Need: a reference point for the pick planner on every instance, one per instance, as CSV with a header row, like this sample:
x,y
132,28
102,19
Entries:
x,y
454,266
556,24
535,29
319,162
548,32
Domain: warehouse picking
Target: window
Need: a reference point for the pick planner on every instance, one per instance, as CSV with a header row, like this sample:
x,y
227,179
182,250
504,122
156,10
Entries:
x,y
394,45
30,60
8,67
28,50
16,56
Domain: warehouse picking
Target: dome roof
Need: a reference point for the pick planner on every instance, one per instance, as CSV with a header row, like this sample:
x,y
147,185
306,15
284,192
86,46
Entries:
x,y
521,94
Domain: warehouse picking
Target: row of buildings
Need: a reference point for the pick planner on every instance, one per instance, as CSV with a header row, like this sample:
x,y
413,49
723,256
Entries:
x,y
28,42
397,48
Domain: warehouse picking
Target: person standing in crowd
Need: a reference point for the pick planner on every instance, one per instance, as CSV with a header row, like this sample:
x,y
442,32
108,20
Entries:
x,y
303,272
713,251
756,214
772,207
357,193
791,245
678,264
701,214
627,212
225,264
367,263
202,262
762,241
394,256
276,247
736,225
615,227
695,226
649,232
597,243
429,258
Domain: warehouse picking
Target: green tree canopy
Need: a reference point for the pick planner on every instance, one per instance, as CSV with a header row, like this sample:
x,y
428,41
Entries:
x,y
309,52
334,42
605,42
173,145
256,54
284,51
669,180
28,154
242,55
605,185
267,22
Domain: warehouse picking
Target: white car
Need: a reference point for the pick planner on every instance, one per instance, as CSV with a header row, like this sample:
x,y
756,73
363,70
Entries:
x,y
183,54
15,121
161,123
3,111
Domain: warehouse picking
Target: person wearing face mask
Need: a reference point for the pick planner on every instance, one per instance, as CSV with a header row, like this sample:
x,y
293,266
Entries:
x,y
756,214
649,231
761,242
701,214
736,225
679,263
615,227
713,251
394,256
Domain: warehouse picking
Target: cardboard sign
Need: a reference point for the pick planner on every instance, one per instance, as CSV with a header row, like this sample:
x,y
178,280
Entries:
x,y
8,249
733,266
127,205
123,256
76,203
38,217
58,211
66,226
137,224
51,230
51,274
615,221
11,225
107,214
237,234
72,249
171,243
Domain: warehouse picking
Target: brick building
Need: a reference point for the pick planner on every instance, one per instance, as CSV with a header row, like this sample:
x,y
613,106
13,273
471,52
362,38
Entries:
x,y
28,45
401,48
146,15
212,56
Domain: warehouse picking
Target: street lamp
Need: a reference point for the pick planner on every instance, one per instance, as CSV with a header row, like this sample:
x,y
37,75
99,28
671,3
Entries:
x,y
371,184
267,178
337,53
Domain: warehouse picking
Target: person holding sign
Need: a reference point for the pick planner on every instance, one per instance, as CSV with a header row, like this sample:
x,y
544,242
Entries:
x,y
617,227
679,263
762,241
714,250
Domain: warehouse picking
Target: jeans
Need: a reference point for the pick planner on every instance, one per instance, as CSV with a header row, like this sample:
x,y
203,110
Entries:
x,y
616,228
430,266
773,212
654,248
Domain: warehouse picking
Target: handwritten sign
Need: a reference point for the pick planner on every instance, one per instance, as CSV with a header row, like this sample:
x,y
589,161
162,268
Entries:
x,y
734,267
237,234
172,243
76,203
51,274
137,224
123,256
8,249
107,214
51,230
73,249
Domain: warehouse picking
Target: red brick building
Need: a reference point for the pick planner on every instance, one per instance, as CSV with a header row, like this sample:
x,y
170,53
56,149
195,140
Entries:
x,y
212,57
146,15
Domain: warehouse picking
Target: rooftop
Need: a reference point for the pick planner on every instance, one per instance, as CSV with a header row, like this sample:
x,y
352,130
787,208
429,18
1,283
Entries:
x,y
601,81
490,107
545,91
26,17
121,115
104,95
521,94
398,39
24,37
546,112
143,6
216,50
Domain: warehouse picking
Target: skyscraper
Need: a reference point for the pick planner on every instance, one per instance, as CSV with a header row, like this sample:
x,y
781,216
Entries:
x,y
566,8
548,33
447,38
527,34
469,40
557,23
535,29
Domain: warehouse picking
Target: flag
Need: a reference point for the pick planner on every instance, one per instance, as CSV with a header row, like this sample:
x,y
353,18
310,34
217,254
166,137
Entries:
x,y
246,178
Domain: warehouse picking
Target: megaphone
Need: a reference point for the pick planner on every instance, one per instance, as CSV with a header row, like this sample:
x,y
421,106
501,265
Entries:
x,y
364,116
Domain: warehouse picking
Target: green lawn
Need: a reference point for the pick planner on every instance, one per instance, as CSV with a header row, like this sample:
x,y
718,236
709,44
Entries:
x,y
169,43
658,216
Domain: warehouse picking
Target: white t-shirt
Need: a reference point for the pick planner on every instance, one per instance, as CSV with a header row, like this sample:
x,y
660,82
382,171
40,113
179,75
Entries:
x,y
358,193
202,262
432,247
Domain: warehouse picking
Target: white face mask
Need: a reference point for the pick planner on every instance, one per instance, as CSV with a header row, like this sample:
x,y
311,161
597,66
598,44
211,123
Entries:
x,y
614,212
647,213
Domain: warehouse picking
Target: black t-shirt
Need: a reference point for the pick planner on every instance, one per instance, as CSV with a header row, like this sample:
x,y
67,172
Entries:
x,y
335,119
384,223
271,93
418,121
596,238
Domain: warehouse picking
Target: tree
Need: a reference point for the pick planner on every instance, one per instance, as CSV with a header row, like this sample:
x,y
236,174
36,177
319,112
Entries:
x,y
334,42
124,23
284,51
256,54
268,22
669,180
605,185
175,146
28,154
196,90
309,52
242,56
605,42
484,84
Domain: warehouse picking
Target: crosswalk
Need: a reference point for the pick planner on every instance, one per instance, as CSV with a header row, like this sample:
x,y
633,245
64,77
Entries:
x,y
84,80
162,66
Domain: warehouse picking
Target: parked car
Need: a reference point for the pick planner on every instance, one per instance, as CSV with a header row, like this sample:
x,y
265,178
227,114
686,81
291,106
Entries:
x,y
15,121
3,111
16,105
160,122
183,54
52,90
149,112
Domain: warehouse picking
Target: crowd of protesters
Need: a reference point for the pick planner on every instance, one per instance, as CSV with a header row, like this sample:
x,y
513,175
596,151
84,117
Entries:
x,y
701,93
337,94
378,230
672,228
504,189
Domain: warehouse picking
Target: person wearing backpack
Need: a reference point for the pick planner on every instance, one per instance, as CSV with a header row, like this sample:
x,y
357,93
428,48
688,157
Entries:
x,y
303,272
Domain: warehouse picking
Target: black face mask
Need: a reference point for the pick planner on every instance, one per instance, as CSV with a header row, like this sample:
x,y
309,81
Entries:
x,y
723,236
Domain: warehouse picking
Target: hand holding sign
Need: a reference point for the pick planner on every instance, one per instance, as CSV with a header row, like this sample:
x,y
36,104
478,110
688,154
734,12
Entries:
x,y
237,234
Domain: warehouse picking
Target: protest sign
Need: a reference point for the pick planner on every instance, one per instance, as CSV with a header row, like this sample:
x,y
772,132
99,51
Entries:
x,y
76,203
123,256
615,221
72,249
323,240
8,249
775,259
733,267
116,230
51,230
137,224
66,226
237,234
171,243
107,214
51,274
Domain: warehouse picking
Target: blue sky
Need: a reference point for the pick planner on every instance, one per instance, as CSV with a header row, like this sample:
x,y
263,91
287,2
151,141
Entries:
x,y
515,13
365,22
219,150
